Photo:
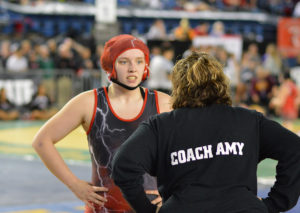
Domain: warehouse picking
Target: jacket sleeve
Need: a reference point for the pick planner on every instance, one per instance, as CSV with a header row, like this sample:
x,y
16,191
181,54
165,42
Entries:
x,y
278,143
135,157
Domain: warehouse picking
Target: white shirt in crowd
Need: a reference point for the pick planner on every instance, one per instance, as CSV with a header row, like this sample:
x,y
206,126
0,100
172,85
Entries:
x,y
297,10
16,64
160,69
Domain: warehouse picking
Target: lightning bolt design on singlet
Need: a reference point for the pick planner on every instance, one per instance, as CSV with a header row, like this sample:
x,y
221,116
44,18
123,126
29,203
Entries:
x,y
107,134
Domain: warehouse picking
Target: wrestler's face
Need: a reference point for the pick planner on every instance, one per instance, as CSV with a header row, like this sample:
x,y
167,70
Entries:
x,y
130,66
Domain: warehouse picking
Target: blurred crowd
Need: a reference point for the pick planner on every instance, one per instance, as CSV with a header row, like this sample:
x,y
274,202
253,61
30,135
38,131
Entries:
x,y
40,107
185,32
23,55
258,80
263,79
61,62
276,7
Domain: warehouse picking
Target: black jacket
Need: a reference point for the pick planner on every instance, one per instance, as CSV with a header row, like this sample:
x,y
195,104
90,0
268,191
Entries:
x,y
205,160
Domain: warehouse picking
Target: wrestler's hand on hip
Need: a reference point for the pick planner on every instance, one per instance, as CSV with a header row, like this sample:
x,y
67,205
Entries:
x,y
88,193
157,201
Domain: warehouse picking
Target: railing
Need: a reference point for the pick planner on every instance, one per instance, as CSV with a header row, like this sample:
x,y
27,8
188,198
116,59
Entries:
x,y
61,85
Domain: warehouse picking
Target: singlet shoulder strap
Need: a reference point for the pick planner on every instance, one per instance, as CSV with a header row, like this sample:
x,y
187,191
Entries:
x,y
94,111
142,92
156,101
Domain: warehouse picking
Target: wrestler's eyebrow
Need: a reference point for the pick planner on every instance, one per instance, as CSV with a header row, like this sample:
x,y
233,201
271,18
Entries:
x,y
128,58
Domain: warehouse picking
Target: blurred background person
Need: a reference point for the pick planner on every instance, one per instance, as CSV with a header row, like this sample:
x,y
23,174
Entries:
x,y
97,55
183,32
17,62
161,67
5,52
218,29
8,110
157,31
272,61
230,68
202,29
41,106
252,53
247,73
261,89
286,100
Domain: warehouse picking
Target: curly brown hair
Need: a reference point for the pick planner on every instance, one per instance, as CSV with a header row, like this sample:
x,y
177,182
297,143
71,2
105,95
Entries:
x,y
199,81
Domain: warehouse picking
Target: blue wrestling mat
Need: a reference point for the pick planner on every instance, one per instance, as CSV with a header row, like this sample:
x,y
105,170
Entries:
x,y
74,207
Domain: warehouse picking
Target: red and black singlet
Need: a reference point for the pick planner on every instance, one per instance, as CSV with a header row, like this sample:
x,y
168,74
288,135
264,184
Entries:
x,y
106,134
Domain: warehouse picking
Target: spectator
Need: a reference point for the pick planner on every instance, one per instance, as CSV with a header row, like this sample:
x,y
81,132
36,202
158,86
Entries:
x,y
233,4
200,30
26,48
41,105
96,57
169,4
155,51
161,67
52,45
218,29
215,4
5,52
66,58
252,53
17,62
193,6
247,73
45,61
261,88
273,61
183,32
47,65
250,5
87,59
85,56
7,109
230,68
286,100
65,61
33,60
296,12
157,31
155,4
276,7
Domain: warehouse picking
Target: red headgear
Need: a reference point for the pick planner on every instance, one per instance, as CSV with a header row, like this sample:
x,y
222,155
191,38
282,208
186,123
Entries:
x,y
116,46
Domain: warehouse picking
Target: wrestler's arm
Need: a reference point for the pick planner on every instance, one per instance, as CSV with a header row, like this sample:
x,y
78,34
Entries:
x,y
78,111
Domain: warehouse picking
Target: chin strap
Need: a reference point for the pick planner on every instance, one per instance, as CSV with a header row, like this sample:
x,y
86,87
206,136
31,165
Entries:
x,y
125,86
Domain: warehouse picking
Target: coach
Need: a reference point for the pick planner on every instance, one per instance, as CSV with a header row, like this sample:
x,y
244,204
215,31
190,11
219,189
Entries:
x,y
205,153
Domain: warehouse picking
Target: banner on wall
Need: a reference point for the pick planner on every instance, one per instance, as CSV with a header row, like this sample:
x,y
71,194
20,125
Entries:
x,y
18,91
233,44
288,36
